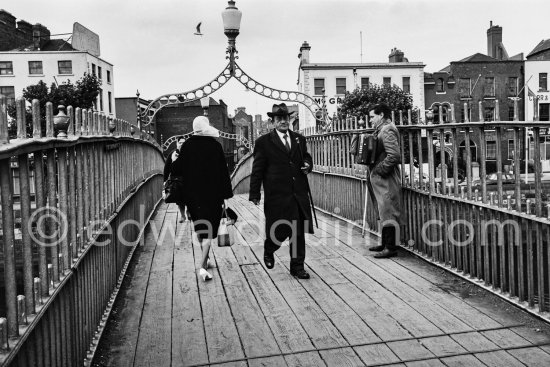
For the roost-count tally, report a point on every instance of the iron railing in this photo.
(66, 244)
(493, 229)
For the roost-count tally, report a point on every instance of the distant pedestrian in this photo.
(206, 183)
(281, 163)
(173, 156)
(384, 180)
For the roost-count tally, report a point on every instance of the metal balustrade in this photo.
(494, 231)
(66, 244)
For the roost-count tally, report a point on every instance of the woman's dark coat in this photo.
(285, 185)
(206, 180)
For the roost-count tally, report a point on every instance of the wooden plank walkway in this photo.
(354, 311)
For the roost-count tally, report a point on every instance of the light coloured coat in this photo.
(384, 176)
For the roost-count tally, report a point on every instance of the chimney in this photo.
(396, 55)
(26, 30)
(304, 53)
(494, 39)
(40, 35)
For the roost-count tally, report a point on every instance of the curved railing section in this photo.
(74, 204)
(240, 178)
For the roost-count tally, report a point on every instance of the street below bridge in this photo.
(354, 311)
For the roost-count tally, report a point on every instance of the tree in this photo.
(362, 100)
(82, 95)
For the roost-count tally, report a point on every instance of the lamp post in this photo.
(205, 104)
(231, 17)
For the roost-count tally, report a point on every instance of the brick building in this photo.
(178, 119)
(481, 88)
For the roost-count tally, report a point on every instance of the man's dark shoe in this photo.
(376, 248)
(300, 274)
(269, 260)
(386, 254)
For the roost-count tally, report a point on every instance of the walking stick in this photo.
(365, 211)
(307, 184)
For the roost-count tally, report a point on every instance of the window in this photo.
(9, 93)
(544, 112)
(543, 81)
(364, 83)
(489, 113)
(99, 73)
(511, 113)
(340, 85)
(110, 102)
(544, 142)
(6, 68)
(439, 85)
(108, 76)
(101, 100)
(464, 87)
(65, 67)
(93, 70)
(35, 67)
(511, 149)
(386, 81)
(319, 86)
(491, 152)
(406, 84)
(489, 87)
(512, 86)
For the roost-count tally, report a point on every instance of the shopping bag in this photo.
(173, 190)
(223, 233)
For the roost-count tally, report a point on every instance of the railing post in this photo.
(481, 117)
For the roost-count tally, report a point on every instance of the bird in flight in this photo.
(198, 32)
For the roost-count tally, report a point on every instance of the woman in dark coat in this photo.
(206, 183)
(168, 170)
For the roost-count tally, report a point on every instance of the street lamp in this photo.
(231, 17)
(205, 104)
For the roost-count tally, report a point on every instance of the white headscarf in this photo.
(201, 127)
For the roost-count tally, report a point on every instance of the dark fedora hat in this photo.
(279, 110)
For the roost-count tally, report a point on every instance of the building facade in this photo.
(28, 55)
(480, 88)
(334, 80)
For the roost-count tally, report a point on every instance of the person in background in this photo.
(206, 183)
(167, 170)
(384, 180)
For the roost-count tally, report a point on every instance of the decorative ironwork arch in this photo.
(244, 141)
(250, 83)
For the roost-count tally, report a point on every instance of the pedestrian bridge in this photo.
(97, 270)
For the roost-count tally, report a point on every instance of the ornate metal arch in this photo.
(223, 135)
(250, 83)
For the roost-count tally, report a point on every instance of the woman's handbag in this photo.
(173, 190)
(224, 239)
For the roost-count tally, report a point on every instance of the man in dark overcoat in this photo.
(281, 163)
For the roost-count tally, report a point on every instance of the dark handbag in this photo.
(173, 190)
(230, 214)
(367, 149)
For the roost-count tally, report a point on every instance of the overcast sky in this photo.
(153, 49)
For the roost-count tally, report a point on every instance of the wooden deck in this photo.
(354, 311)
